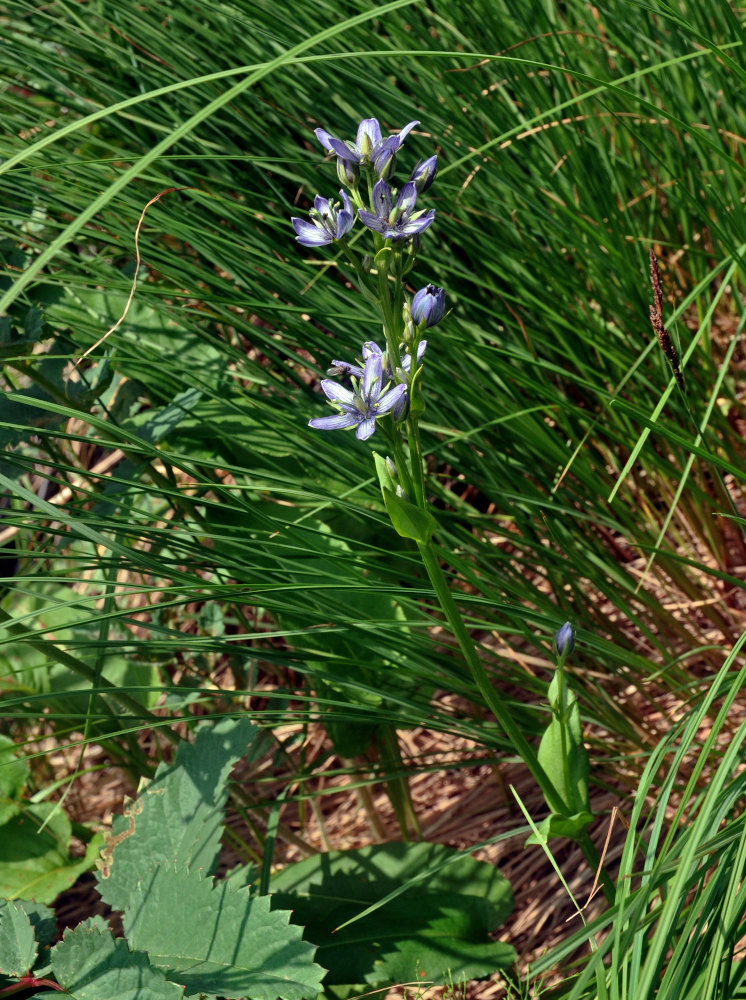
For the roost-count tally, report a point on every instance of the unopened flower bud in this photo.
(564, 640)
(424, 173)
(400, 492)
(385, 163)
(348, 173)
(428, 306)
(391, 466)
(400, 408)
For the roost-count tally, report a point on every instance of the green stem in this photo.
(497, 706)
(402, 465)
(561, 695)
(387, 312)
(418, 467)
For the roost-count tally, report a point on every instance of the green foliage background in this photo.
(570, 478)
(560, 138)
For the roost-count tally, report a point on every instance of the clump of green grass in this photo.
(205, 526)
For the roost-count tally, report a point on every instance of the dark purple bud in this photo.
(564, 640)
(424, 173)
(428, 306)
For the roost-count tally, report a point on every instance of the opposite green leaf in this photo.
(18, 947)
(91, 965)
(562, 753)
(555, 825)
(212, 939)
(409, 521)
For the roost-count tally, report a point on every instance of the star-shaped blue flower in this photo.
(360, 406)
(328, 222)
(400, 221)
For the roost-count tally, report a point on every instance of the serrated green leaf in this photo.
(211, 938)
(242, 876)
(18, 948)
(43, 920)
(35, 863)
(91, 965)
(439, 925)
(13, 777)
(408, 521)
(178, 817)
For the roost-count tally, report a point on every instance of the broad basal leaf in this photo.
(212, 939)
(91, 965)
(18, 948)
(438, 926)
(35, 863)
(178, 817)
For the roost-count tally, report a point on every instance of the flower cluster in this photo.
(384, 379)
(395, 218)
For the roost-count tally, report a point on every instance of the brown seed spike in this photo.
(655, 280)
(656, 319)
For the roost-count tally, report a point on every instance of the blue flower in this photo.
(370, 348)
(328, 222)
(399, 222)
(428, 306)
(360, 406)
(369, 145)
